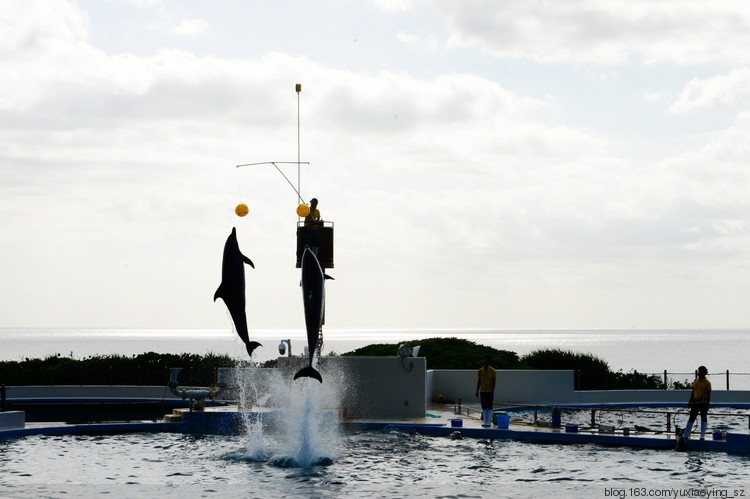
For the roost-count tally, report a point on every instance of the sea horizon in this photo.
(644, 350)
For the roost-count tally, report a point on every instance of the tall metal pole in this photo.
(298, 88)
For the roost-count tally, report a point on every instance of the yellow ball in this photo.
(303, 210)
(241, 210)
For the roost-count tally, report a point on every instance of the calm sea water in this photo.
(649, 351)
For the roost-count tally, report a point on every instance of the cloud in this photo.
(717, 92)
(144, 3)
(118, 174)
(606, 33)
(394, 5)
(414, 42)
(191, 27)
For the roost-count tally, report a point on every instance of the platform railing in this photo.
(596, 413)
(720, 379)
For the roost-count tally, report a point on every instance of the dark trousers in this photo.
(701, 409)
(486, 399)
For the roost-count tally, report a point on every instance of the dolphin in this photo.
(313, 298)
(232, 288)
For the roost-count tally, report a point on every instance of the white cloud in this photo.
(614, 32)
(715, 92)
(652, 97)
(118, 173)
(191, 27)
(144, 3)
(394, 5)
(418, 43)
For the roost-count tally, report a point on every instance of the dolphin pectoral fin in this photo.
(219, 292)
(326, 276)
(250, 346)
(247, 261)
(309, 372)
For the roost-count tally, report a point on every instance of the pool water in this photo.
(301, 451)
(351, 464)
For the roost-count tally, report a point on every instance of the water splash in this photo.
(252, 421)
(288, 423)
(310, 424)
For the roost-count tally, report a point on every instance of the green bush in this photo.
(152, 368)
(145, 369)
(445, 353)
(591, 372)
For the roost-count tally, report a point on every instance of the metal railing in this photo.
(721, 380)
(596, 413)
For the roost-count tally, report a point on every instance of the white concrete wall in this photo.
(88, 391)
(373, 387)
(513, 386)
(553, 387)
(392, 388)
(12, 420)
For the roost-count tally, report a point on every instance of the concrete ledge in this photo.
(88, 391)
(12, 420)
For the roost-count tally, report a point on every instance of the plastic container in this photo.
(571, 428)
(502, 420)
(718, 435)
(457, 423)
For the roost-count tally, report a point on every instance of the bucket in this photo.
(457, 423)
(571, 428)
(718, 435)
(502, 420)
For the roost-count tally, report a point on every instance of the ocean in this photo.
(679, 352)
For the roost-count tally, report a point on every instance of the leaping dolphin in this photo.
(232, 288)
(313, 298)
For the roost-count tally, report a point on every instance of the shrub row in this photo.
(152, 368)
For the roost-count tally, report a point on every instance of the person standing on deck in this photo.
(312, 224)
(700, 398)
(486, 377)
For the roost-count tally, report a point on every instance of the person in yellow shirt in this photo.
(312, 223)
(700, 398)
(486, 377)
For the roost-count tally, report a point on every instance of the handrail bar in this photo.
(459, 409)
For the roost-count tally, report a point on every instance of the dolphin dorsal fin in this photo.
(247, 260)
(326, 276)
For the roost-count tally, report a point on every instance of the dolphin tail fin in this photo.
(219, 292)
(250, 346)
(309, 372)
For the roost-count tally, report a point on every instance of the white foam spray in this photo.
(289, 423)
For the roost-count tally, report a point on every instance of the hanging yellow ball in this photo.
(303, 210)
(241, 210)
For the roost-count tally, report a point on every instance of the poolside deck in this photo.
(438, 423)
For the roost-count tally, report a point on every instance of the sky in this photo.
(486, 164)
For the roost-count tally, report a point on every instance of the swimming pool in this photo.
(261, 463)
(301, 451)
